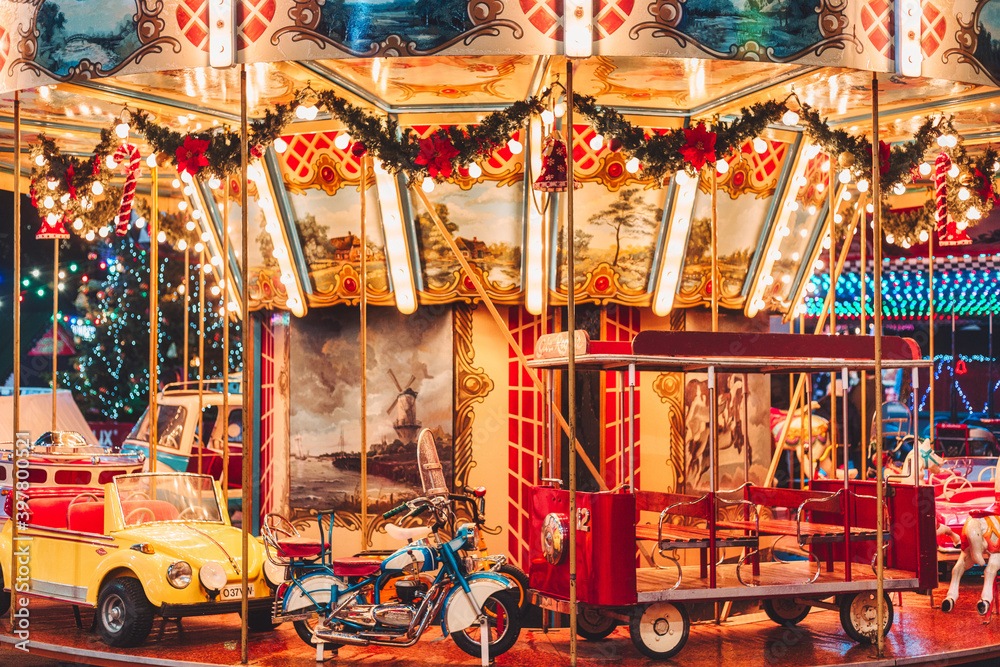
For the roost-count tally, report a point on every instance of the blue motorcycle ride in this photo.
(392, 602)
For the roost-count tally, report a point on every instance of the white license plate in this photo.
(235, 592)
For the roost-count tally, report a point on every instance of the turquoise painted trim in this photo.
(255, 318)
(216, 219)
(284, 208)
(780, 190)
(131, 95)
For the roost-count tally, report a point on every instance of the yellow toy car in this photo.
(156, 543)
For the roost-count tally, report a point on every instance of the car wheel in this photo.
(124, 614)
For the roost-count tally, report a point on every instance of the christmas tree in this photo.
(111, 373)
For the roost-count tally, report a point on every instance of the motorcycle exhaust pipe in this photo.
(321, 635)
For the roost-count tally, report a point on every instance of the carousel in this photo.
(588, 254)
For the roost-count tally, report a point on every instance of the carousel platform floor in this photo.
(920, 636)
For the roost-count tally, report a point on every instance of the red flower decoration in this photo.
(70, 175)
(191, 155)
(436, 152)
(700, 147)
(256, 151)
(985, 192)
(883, 157)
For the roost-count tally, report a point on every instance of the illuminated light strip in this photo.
(214, 243)
(578, 17)
(221, 32)
(272, 225)
(910, 58)
(397, 249)
(535, 228)
(771, 252)
(673, 253)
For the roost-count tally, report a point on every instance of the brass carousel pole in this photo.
(55, 326)
(571, 358)
(154, 318)
(224, 282)
(17, 451)
(879, 481)
(248, 383)
(364, 357)
(864, 332)
(187, 304)
(715, 249)
(832, 228)
(201, 356)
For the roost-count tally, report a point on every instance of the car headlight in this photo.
(179, 574)
(212, 576)
(275, 574)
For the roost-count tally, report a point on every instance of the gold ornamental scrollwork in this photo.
(967, 37)
(345, 288)
(670, 388)
(472, 385)
(267, 290)
(460, 287)
(602, 285)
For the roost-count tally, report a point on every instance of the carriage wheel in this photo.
(659, 630)
(592, 625)
(785, 611)
(858, 614)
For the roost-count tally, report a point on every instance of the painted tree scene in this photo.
(721, 24)
(486, 223)
(329, 230)
(70, 31)
(620, 229)
(357, 23)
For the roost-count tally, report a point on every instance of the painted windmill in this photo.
(405, 420)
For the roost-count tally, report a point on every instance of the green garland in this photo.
(904, 227)
(217, 152)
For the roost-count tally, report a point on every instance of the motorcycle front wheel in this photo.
(504, 626)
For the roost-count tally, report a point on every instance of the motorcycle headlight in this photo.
(179, 574)
(212, 576)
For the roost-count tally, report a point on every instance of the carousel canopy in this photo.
(642, 235)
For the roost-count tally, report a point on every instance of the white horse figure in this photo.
(980, 546)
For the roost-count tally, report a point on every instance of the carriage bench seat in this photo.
(806, 531)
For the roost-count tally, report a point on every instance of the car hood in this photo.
(197, 543)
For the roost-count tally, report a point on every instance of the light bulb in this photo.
(182, 244)
(973, 213)
(596, 142)
(40, 159)
(205, 236)
(121, 129)
(64, 198)
(161, 237)
(924, 169)
(923, 236)
(899, 188)
(52, 184)
(845, 176)
(790, 118)
(196, 214)
(889, 238)
(846, 195)
(286, 279)
(199, 246)
(89, 235)
(280, 145)
(427, 185)
(871, 209)
(681, 177)
(952, 141)
(515, 146)
(953, 172)
(48, 202)
(863, 185)
(206, 268)
(97, 188)
(548, 117)
(188, 190)
(215, 290)
(963, 194)
(176, 183)
(475, 171)
(722, 166)
(182, 205)
(140, 222)
(632, 166)
(103, 232)
(942, 140)
(186, 177)
(300, 112)
(759, 145)
(189, 226)
(78, 224)
(838, 218)
(560, 110)
(151, 160)
(342, 140)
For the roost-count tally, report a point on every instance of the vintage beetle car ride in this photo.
(148, 544)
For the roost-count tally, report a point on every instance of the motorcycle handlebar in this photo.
(395, 510)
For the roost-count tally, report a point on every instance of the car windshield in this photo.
(169, 426)
(151, 498)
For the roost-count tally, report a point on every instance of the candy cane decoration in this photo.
(941, 166)
(131, 153)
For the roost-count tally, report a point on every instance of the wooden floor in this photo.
(776, 579)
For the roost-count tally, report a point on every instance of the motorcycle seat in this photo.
(299, 547)
(407, 534)
(355, 567)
